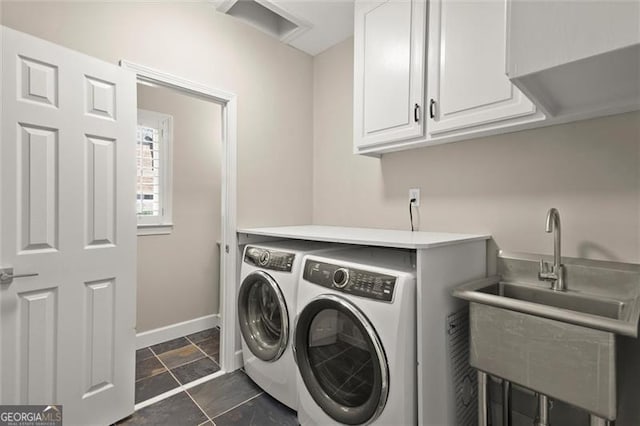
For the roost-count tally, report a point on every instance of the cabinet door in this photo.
(468, 86)
(389, 43)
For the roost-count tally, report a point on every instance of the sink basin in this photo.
(569, 300)
(559, 343)
(613, 313)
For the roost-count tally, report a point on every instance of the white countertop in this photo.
(365, 236)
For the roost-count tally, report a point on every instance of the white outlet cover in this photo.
(415, 193)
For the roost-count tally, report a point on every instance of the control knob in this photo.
(340, 277)
(263, 259)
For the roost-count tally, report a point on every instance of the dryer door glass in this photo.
(341, 360)
(263, 317)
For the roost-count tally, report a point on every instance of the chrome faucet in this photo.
(556, 274)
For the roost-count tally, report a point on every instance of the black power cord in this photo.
(411, 201)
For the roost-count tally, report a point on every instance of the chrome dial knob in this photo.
(340, 277)
(264, 257)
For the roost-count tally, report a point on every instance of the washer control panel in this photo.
(269, 259)
(357, 282)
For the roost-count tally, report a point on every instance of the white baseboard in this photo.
(173, 331)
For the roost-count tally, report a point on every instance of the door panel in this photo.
(387, 66)
(67, 194)
(37, 322)
(38, 81)
(389, 45)
(99, 336)
(467, 80)
(100, 198)
(38, 188)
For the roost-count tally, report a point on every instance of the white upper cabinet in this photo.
(468, 87)
(389, 71)
(491, 67)
(576, 59)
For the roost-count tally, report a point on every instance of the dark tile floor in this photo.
(167, 365)
(232, 399)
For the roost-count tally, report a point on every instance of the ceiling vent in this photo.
(266, 16)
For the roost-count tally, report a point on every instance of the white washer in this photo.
(266, 308)
(355, 338)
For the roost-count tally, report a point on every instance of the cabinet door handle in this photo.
(416, 113)
(432, 108)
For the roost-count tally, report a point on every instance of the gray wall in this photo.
(274, 87)
(501, 185)
(273, 81)
(178, 274)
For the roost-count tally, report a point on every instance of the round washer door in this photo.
(341, 360)
(263, 316)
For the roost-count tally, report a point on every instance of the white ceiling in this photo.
(330, 21)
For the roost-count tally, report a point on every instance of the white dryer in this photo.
(355, 338)
(266, 307)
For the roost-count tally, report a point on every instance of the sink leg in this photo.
(506, 403)
(598, 421)
(483, 408)
(542, 418)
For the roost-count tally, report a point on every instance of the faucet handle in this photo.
(546, 272)
(544, 267)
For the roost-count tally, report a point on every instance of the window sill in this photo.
(155, 229)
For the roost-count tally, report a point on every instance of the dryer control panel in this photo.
(357, 282)
(269, 259)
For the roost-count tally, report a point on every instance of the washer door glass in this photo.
(263, 316)
(341, 360)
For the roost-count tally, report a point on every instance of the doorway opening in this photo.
(186, 198)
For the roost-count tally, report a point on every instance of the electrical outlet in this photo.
(415, 193)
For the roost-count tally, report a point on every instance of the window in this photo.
(153, 181)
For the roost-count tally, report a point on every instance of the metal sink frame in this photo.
(556, 343)
(600, 295)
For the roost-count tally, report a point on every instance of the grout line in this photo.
(156, 374)
(177, 390)
(170, 372)
(185, 363)
(204, 379)
(181, 387)
(199, 407)
(236, 406)
(190, 362)
(201, 350)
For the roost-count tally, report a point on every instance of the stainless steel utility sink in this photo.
(616, 313)
(558, 343)
(570, 300)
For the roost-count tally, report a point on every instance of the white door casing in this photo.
(67, 194)
(467, 59)
(389, 71)
(230, 349)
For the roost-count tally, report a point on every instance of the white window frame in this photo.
(162, 224)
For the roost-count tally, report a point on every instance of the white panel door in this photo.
(468, 86)
(67, 193)
(389, 44)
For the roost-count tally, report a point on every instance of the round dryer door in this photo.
(341, 360)
(263, 317)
